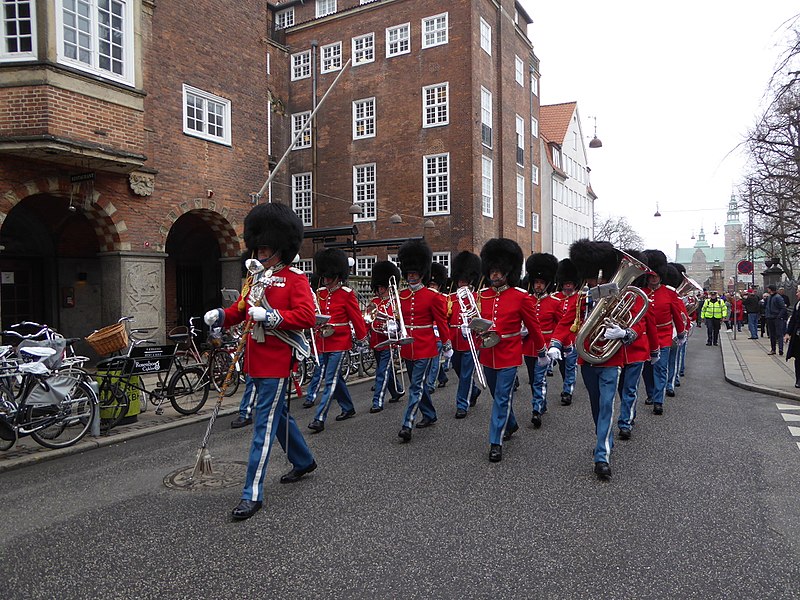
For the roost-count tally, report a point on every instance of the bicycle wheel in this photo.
(188, 389)
(220, 363)
(113, 403)
(368, 363)
(344, 367)
(75, 418)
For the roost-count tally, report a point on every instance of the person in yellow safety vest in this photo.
(714, 311)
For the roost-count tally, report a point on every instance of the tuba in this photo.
(613, 309)
(688, 291)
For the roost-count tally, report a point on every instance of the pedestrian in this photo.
(752, 309)
(728, 312)
(737, 311)
(762, 321)
(792, 338)
(438, 283)
(775, 315)
(783, 295)
(714, 312)
(280, 305)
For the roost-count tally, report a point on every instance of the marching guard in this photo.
(334, 338)
(677, 352)
(273, 234)
(567, 280)
(438, 283)
(507, 307)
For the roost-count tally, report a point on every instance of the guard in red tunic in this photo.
(384, 272)
(334, 339)
(567, 281)
(438, 283)
(508, 308)
(422, 308)
(673, 279)
(279, 301)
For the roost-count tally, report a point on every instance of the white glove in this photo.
(211, 317)
(257, 313)
(391, 326)
(447, 350)
(554, 353)
(655, 357)
(681, 339)
(543, 361)
(614, 332)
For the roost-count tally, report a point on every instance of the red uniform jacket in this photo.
(421, 310)
(459, 342)
(376, 337)
(567, 303)
(548, 313)
(508, 310)
(647, 337)
(342, 305)
(667, 310)
(290, 295)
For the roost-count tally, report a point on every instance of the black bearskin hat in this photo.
(672, 276)
(331, 262)
(274, 225)
(467, 267)
(640, 281)
(506, 256)
(438, 275)
(415, 255)
(591, 257)
(541, 265)
(382, 271)
(657, 261)
(567, 272)
(680, 267)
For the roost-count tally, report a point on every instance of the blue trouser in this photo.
(537, 375)
(752, 324)
(384, 377)
(569, 370)
(655, 377)
(501, 385)
(672, 366)
(436, 367)
(464, 366)
(271, 417)
(313, 385)
(601, 385)
(628, 391)
(418, 396)
(335, 387)
(248, 398)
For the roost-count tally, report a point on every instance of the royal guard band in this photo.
(334, 338)
(273, 234)
(421, 308)
(540, 269)
(507, 307)
(312, 391)
(666, 308)
(466, 274)
(677, 352)
(438, 283)
(567, 281)
(382, 273)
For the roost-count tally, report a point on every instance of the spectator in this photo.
(752, 307)
(728, 312)
(737, 311)
(775, 316)
(782, 293)
(762, 322)
(792, 338)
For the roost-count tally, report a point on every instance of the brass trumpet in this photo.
(466, 302)
(688, 291)
(469, 312)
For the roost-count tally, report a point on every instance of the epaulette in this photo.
(347, 289)
(296, 270)
(523, 290)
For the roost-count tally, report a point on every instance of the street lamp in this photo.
(595, 143)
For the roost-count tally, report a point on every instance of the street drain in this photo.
(225, 474)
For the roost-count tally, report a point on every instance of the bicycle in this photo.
(216, 354)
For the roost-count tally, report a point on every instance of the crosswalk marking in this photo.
(790, 417)
(795, 431)
(788, 406)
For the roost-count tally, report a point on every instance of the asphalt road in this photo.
(702, 504)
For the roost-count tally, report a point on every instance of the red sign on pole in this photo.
(744, 267)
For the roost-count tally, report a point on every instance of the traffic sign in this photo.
(744, 267)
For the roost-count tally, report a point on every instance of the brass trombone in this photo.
(481, 326)
(469, 311)
(396, 333)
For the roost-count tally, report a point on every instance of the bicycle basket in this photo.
(109, 339)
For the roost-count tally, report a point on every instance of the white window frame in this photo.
(298, 120)
(363, 120)
(535, 222)
(556, 157)
(534, 85)
(27, 23)
(534, 174)
(436, 184)
(364, 265)
(487, 187)
(486, 36)
(435, 30)
(443, 258)
(402, 33)
(333, 60)
(520, 129)
(520, 200)
(303, 197)
(301, 65)
(392, 258)
(365, 54)
(325, 7)
(222, 109)
(486, 115)
(534, 128)
(365, 192)
(284, 18)
(439, 110)
(93, 25)
(306, 265)
(519, 70)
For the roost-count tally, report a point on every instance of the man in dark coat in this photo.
(775, 316)
(792, 338)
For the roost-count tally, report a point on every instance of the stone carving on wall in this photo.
(143, 293)
(142, 184)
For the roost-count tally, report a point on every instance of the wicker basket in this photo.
(109, 339)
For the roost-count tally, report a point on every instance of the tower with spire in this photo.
(735, 247)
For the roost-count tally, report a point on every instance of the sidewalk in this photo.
(748, 366)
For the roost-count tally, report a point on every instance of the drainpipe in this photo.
(314, 183)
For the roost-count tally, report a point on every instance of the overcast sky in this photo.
(674, 86)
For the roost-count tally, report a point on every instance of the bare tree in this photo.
(618, 231)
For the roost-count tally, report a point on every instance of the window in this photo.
(434, 31)
(330, 57)
(519, 70)
(520, 141)
(434, 105)
(486, 117)
(398, 40)
(364, 191)
(534, 127)
(364, 49)
(443, 258)
(364, 265)
(393, 258)
(284, 18)
(364, 118)
(206, 116)
(306, 265)
(298, 120)
(534, 85)
(486, 37)
(436, 169)
(19, 30)
(325, 7)
(534, 174)
(96, 36)
(556, 157)
(301, 197)
(535, 222)
(520, 200)
(301, 65)
(487, 187)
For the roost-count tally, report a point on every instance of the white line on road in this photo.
(790, 417)
(795, 431)
(788, 406)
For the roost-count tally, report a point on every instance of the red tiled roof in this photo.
(554, 120)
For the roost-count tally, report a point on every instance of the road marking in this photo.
(788, 406)
(790, 417)
(795, 431)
